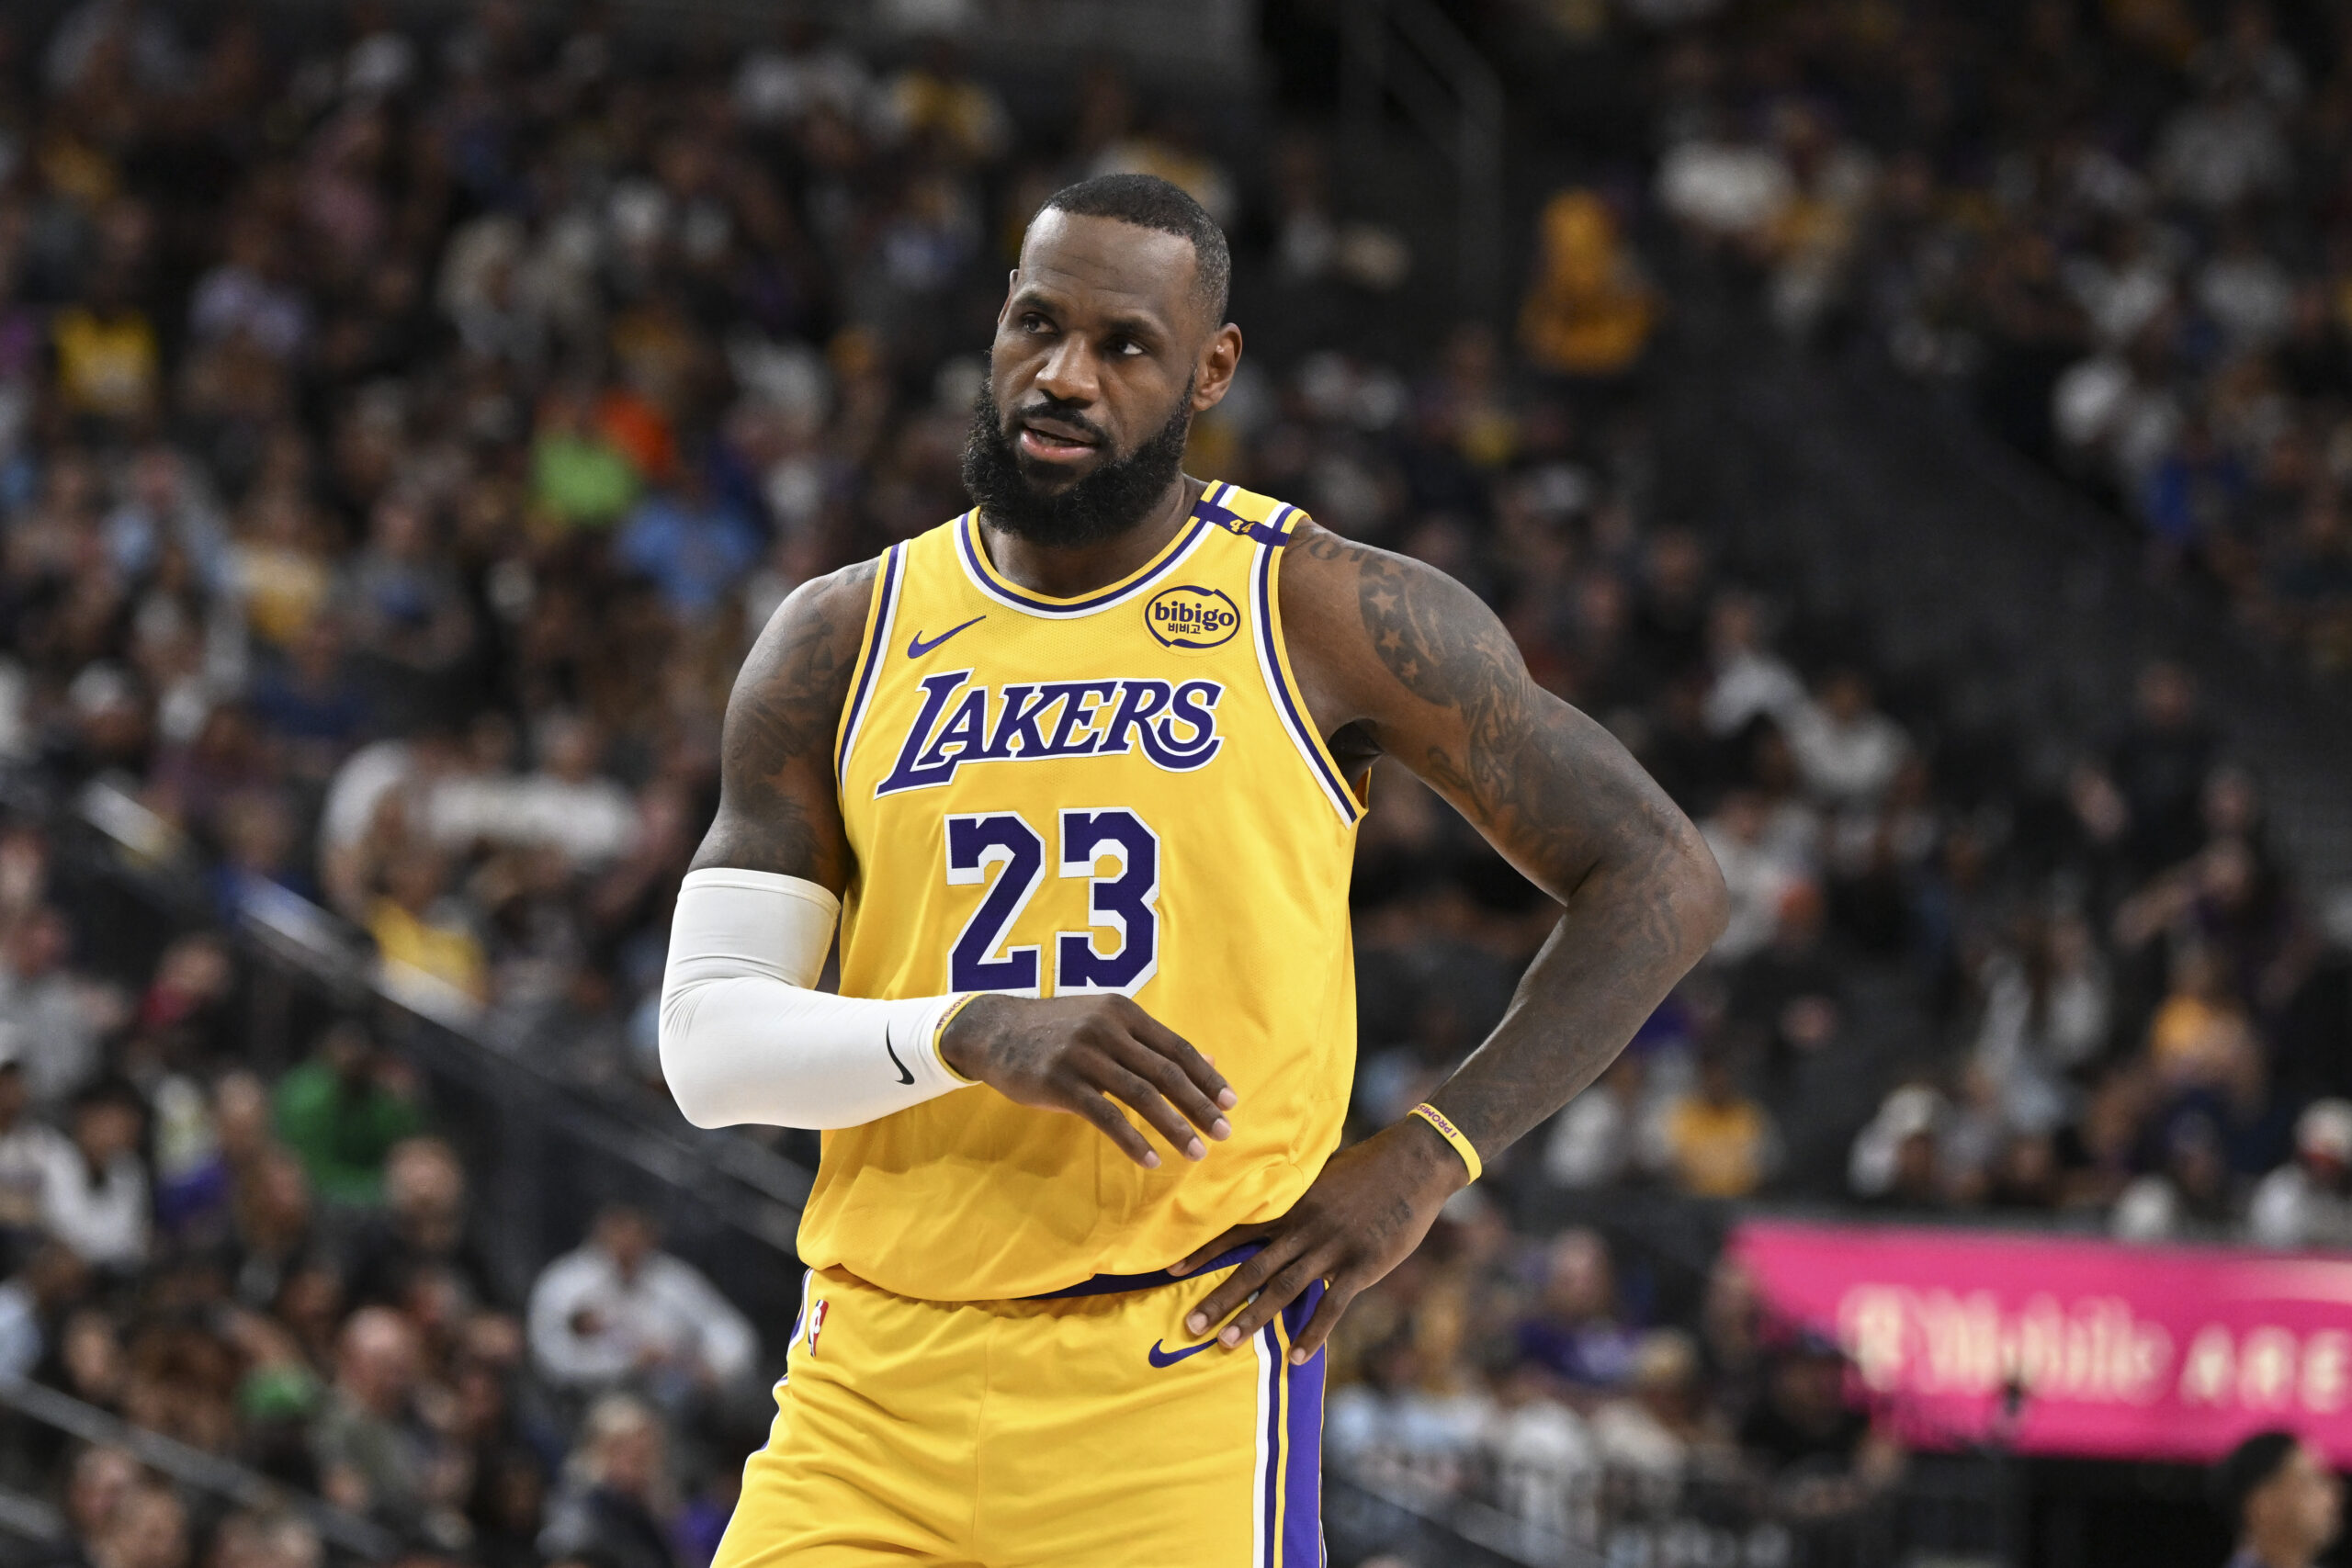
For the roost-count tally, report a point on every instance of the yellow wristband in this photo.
(939, 1032)
(1451, 1134)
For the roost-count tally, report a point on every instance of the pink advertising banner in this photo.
(2128, 1351)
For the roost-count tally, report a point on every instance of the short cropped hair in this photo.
(1149, 202)
(2247, 1469)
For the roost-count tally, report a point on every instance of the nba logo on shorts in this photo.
(816, 1323)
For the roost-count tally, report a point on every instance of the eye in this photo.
(1123, 346)
(1032, 321)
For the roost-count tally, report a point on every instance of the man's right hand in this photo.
(1078, 1053)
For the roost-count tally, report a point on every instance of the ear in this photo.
(1213, 377)
(1012, 283)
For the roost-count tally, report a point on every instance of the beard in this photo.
(1113, 498)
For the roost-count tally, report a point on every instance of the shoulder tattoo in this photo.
(776, 750)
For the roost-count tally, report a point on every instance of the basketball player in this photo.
(1079, 774)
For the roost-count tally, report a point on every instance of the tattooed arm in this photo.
(1444, 693)
(777, 807)
(1398, 658)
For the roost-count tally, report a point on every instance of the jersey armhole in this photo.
(873, 649)
(1274, 662)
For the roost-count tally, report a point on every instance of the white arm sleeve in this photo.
(744, 1038)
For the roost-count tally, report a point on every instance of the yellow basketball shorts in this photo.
(1083, 1429)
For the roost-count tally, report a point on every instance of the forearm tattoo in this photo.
(1559, 797)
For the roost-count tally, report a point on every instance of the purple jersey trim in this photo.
(1301, 731)
(874, 654)
(966, 540)
(1112, 1284)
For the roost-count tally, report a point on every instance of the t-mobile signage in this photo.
(2149, 1352)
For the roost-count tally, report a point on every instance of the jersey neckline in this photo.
(985, 577)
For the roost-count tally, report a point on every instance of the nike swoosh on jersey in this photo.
(1160, 1357)
(918, 648)
(904, 1075)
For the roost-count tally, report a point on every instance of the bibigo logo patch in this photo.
(1192, 618)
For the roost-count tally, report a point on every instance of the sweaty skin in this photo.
(1101, 334)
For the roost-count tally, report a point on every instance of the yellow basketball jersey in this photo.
(1120, 792)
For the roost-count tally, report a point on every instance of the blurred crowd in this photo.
(2124, 228)
(291, 1276)
(402, 435)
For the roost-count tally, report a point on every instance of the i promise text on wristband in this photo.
(1451, 1134)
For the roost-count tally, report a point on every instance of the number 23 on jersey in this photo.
(1111, 848)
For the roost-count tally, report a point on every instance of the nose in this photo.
(1067, 375)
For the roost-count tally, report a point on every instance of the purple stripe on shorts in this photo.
(1303, 1472)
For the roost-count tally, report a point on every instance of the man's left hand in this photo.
(1361, 1217)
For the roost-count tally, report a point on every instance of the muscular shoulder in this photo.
(1368, 628)
(776, 810)
(837, 600)
(810, 645)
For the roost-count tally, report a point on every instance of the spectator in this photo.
(1543, 1452)
(1416, 1419)
(1664, 1426)
(1597, 1137)
(420, 1229)
(427, 941)
(780, 84)
(2048, 1007)
(375, 1453)
(2024, 1176)
(621, 1312)
(94, 1196)
(1749, 681)
(936, 101)
(402, 602)
(2282, 1504)
(32, 1306)
(1896, 1159)
(1826, 1459)
(1790, 991)
(614, 1504)
(58, 1016)
(266, 1541)
(1846, 752)
(2189, 1192)
(1715, 1141)
(28, 1151)
(2307, 1203)
(2160, 764)
(273, 1227)
(1758, 875)
(566, 804)
(2200, 1035)
(1586, 312)
(579, 478)
(342, 1110)
(1574, 1333)
(100, 1477)
(147, 1529)
(2219, 150)
(311, 704)
(690, 543)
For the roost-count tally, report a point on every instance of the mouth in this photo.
(1052, 441)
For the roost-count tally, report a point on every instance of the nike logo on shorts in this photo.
(1160, 1357)
(904, 1075)
(918, 648)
